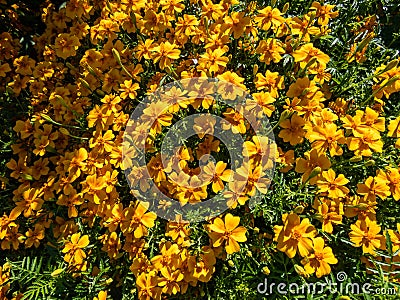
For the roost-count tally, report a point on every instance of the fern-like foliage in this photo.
(34, 278)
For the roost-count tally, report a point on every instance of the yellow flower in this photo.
(395, 238)
(270, 50)
(213, 60)
(365, 233)
(394, 130)
(236, 22)
(33, 237)
(165, 53)
(227, 232)
(292, 131)
(148, 286)
(215, 174)
(312, 160)
(73, 249)
(269, 17)
(326, 138)
(294, 235)
(374, 186)
(271, 82)
(308, 52)
(332, 185)
(66, 45)
(320, 259)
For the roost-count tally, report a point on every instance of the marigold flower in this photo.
(165, 53)
(307, 52)
(326, 138)
(148, 286)
(33, 237)
(374, 186)
(320, 259)
(332, 185)
(226, 232)
(269, 17)
(213, 60)
(292, 131)
(66, 45)
(365, 233)
(216, 173)
(312, 160)
(270, 50)
(294, 235)
(73, 249)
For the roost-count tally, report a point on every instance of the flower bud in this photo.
(266, 270)
(392, 64)
(85, 84)
(319, 217)
(362, 206)
(316, 171)
(27, 177)
(285, 115)
(64, 131)
(285, 8)
(356, 158)
(100, 93)
(231, 263)
(370, 163)
(56, 272)
(255, 69)
(298, 209)
(310, 63)
(300, 270)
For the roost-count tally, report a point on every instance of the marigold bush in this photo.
(327, 77)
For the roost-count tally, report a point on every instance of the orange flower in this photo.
(102, 142)
(215, 174)
(293, 131)
(227, 233)
(332, 185)
(213, 60)
(33, 237)
(253, 177)
(294, 235)
(328, 216)
(320, 259)
(66, 45)
(312, 160)
(269, 17)
(326, 138)
(30, 203)
(365, 233)
(157, 112)
(272, 82)
(73, 249)
(148, 286)
(236, 22)
(308, 52)
(270, 50)
(395, 238)
(374, 186)
(235, 121)
(165, 53)
(140, 220)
